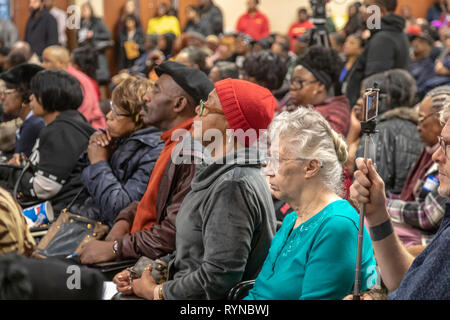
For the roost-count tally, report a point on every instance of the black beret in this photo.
(195, 82)
(21, 74)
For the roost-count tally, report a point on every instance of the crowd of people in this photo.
(268, 127)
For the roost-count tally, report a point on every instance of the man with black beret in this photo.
(147, 228)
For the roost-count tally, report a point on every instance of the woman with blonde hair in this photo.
(122, 156)
(313, 256)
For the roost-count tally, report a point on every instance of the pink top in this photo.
(90, 108)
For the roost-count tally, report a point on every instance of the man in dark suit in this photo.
(42, 29)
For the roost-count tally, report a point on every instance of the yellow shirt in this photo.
(165, 24)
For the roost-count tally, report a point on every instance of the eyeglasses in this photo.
(8, 91)
(298, 84)
(444, 144)
(422, 119)
(116, 114)
(203, 106)
(276, 162)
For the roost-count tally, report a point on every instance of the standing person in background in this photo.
(131, 43)
(211, 15)
(41, 29)
(254, 22)
(195, 23)
(163, 23)
(353, 48)
(94, 31)
(57, 57)
(355, 20)
(60, 17)
(300, 27)
(387, 48)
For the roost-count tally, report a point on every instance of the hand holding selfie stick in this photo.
(368, 127)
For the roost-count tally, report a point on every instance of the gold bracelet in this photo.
(158, 293)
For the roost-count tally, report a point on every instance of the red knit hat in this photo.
(246, 105)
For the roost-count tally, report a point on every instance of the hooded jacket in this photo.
(224, 229)
(398, 146)
(388, 48)
(57, 161)
(116, 184)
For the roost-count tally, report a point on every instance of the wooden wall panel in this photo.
(418, 7)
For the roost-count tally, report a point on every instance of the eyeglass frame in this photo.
(422, 120)
(269, 159)
(116, 114)
(8, 91)
(443, 144)
(204, 106)
(301, 83)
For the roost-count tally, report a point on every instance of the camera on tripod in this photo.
(319, 34)
(319, 9)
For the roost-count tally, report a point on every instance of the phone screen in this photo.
(371, 106)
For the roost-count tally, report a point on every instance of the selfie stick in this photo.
(368, 128)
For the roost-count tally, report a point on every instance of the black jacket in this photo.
(388, 48)
(41, 32)
(58, 160)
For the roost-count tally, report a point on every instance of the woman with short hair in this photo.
(57, 160)
(122, 156)
(313, 256)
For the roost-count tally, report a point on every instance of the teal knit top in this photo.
(317, 259)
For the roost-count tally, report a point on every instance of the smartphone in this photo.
(370, 111)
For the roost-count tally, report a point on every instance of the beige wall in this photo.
(281, 13)
(96, 4)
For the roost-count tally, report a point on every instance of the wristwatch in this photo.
(116, 247)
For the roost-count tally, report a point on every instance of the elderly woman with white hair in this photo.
(313, 256)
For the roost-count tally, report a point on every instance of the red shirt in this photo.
(298, 29)
(90, 108)
(146, 215)
(254, 24)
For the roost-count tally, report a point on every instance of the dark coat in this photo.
(58, 156)
(102, 36)
(139, 38)
(115, 185)
(398, 146)
(41, 32)
(388, 48)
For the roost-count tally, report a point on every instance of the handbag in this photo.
(159, 270)
(68, 235)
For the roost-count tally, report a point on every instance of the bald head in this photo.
(56, 57)
(22, 47)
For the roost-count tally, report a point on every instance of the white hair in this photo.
(445, 112)
(312, 137)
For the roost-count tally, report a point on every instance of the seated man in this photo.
(147, 228)
(418, 212)
(422, 278)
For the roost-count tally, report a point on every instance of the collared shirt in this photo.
(428, 277)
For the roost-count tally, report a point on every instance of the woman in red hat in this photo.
(226, 223)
